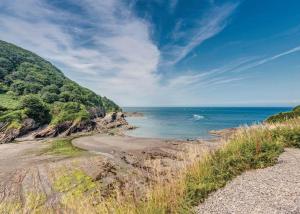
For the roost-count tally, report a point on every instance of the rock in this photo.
(110, 121)
(99, 123)
(96, 112)
(65, 129)
(28, 125)
(3, 126)
(9, 134)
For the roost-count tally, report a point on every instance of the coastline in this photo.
(128, 165)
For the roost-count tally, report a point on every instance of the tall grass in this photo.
(249, 148)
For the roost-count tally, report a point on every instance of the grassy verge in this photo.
(250, 148)
(63, 147)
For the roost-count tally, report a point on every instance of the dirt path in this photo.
(271, 190)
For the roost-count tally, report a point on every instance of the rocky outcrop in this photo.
(9, 134)
(110, 121)
(65, 129)
(96, 112)
(99, 123)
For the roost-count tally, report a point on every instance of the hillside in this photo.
(34, 93)
(283, 116)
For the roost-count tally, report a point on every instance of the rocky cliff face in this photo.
(31, 129)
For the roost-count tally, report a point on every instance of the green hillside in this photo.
(31, 87)
(283, 116)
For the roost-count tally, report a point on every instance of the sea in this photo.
(194, 122)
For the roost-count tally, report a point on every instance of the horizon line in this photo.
(208, 106)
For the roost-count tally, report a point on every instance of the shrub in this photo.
(13, 118)
(283, 116)
(50, 89)
(3, 88)
(70, 111)
(50, 97)
(18, 87)
(296, 109)
(9, 101)
(35, 108)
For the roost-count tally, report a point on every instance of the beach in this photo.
(115, 161)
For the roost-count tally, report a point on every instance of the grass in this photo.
(9, 102)
(69, 111)
(249, 148)
(284, 116)
(63, 147)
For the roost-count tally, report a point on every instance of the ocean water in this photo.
(193, 122)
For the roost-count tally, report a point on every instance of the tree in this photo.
(35, 108)
(50, 97)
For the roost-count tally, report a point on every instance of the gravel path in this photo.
(271, 190)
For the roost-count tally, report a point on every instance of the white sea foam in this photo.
(198, 117)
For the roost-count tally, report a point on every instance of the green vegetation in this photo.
(31, 87)
(75, 183)
(70, 111)
(8, 102)
(249, 148)
(63, 147)
(283, 116)
(35, 108)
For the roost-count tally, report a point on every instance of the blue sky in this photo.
(167, 52)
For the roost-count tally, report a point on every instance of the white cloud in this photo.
(266, 60)
(210, 25)
(108, 48)
(121, 58)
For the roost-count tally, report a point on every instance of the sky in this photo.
(167, 52)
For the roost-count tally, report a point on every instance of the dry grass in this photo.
(249, 148)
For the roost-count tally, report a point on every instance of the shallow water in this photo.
(194, 122)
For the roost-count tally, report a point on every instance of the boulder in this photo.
(110, 121)
(96, 112)
(9, 134)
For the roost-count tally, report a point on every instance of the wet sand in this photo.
(111, 144)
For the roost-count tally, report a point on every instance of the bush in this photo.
(50, 97)
(284, 116)
(296, 109)
(290, 137)
(50, 89)
(3, 88)
(14, 118)
(70, 111)
(18, 87)
(35, 108)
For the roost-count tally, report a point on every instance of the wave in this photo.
(198, 117)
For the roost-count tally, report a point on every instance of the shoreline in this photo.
(212, 135)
